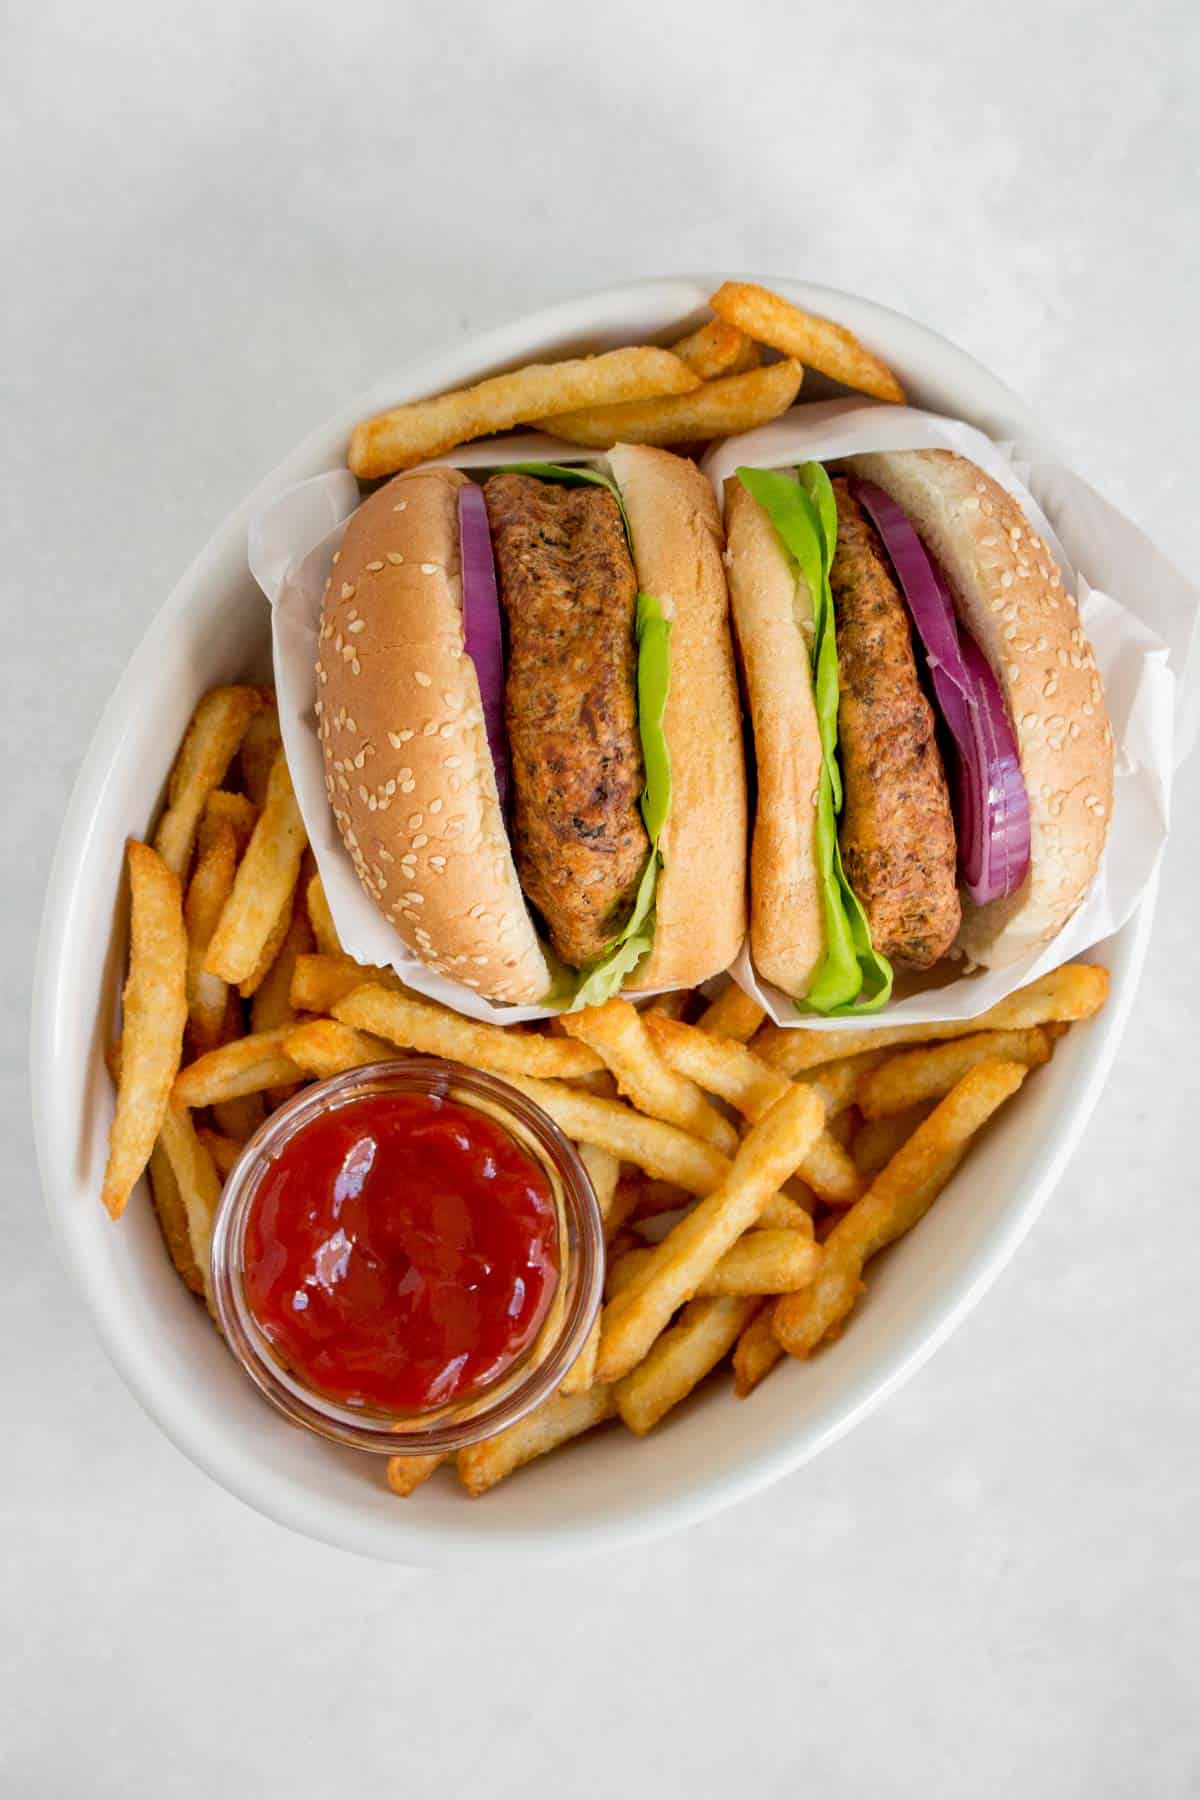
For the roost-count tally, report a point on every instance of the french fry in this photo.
(172, 1217)
(217, 728)
(877, 1140)
(154, 1014)
(617, 1032)
(716, 348)
(239, 1118)
(820, 343)
(720, 1065)
(319, 981)
(680, 1359)
(604, 1172)
(235, 810)
(838, 1082)
(733, 1014)
(770, 1152)
(761, 1262)
(270, 951)
(321, 919)
(223, 1150)
(1074, 991)
(717, 409)
(207, 891)
(898, 1197)
(263, 884)
(906, 1080)
(323, 1047)
(731, 1070)
(427, 428)
(663, 1151)
(272, 1003)
(554, 1422)
(671, 1006)
(657, 1197)
(244, 1066)
(756, 1352)
(405, 1474)
(199, 1187)
(844, 1126)
(260, 746)
(436, 1032)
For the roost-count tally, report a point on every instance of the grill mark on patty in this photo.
(568, 590)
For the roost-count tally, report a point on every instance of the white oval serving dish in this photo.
(612, 1489)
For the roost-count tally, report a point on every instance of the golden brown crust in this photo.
(407, 765)
(1011, 596)
(787, 926)
(677, 547)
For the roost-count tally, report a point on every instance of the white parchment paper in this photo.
(1142, 618)
(1143, 627)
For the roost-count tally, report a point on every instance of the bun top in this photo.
(1010, 595)
(408, 769)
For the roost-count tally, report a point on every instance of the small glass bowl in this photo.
(534, 1375)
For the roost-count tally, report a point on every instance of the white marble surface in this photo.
(221, 221)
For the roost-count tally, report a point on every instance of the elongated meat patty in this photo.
(568, 589)
(897, 831)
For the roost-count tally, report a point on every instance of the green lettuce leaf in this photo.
(852, 977)
(572, 988)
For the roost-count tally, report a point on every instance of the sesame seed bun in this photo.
(408, 770)
(1010, 595)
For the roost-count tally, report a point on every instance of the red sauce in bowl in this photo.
(401, 1252)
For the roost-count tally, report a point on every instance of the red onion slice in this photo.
(991, 804)
(481, 625)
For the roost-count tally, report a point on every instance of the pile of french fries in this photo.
(746, 1174)
(709, 384)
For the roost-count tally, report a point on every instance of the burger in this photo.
(529, 717)
(933, 757)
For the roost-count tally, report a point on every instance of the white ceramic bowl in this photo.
(612, 1489)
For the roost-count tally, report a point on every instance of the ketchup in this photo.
(401, 1252)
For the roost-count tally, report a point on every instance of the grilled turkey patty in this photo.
(568, 589)
(897, 831)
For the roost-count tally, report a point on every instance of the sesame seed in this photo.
(429, 730)
(429, 568)
(452, 762)
(400, 506)
(337, 557)
(447, 731)
(421, 678)
(362, 792)
(479, 961)
(416, 822)
(395, 557)
(435, 806)
(375, 567)
(437, 862)
(414, 899)
(355, 667)
(406, 787)
(358, 625)
(347, 590)
(349, 722)
(420, 841)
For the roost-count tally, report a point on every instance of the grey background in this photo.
(221, 222)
